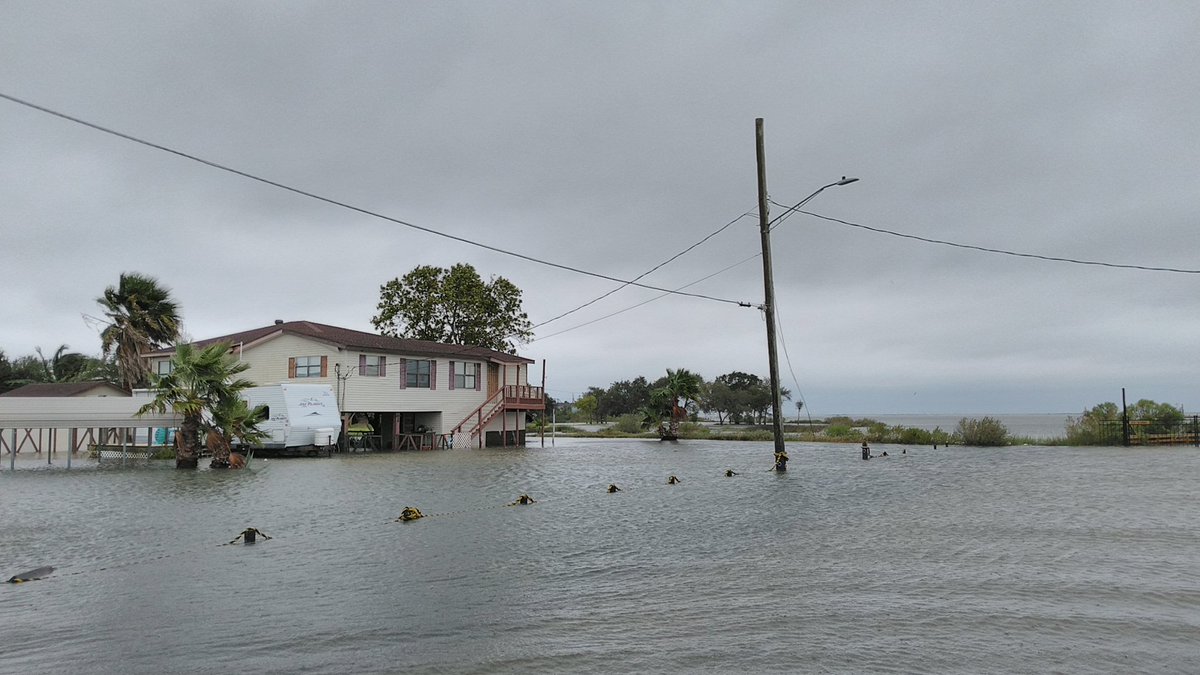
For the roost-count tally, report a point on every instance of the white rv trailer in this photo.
(301, 419)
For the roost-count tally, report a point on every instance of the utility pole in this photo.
(764, 225)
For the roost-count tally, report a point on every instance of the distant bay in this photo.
(1030, 425)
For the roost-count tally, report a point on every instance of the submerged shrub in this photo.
(629, 424)
(842, 432)
(911, 436)
(982, 432)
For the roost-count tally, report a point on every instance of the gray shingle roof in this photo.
(42, 389)
(353, 339)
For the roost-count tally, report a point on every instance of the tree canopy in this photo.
(61, 366)
(669, 401)
(453, 306)
(741, 398)
(141, 317)
(1102, 423)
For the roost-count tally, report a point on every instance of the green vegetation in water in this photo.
(976, 432)
(1145, 422)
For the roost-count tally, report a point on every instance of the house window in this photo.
(372, 366)
(308, 366)
(465, 379)
(165, 367)
(417, 373)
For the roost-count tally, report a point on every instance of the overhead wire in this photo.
(646, 302)
(351, 207)
(646, 273)
(788, 359)
(985, 249)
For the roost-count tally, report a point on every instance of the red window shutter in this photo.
(292, 368)
(432, 374)
(382, 366)
(451, 385)
(404, 373)
(324, 366)
(478, 379)
(362, 364)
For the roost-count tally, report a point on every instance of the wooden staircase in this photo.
(511, 397)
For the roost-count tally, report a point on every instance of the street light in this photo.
(768, 277)
(796, 207)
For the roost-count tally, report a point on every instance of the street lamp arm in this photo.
(792, 209)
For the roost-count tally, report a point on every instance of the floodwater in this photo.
(957, 560)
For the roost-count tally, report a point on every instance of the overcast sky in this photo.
(611, 136)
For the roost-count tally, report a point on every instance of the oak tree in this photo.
(453, 306)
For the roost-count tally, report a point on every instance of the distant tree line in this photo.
(733, 398)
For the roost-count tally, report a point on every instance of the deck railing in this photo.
(508, 397)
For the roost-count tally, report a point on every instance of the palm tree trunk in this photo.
(219, 447)
(187, 444)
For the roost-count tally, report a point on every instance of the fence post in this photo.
(1124, 420)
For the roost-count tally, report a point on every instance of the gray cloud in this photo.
(610, 137)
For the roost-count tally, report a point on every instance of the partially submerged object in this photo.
(249, 535)
(410, 513)
(781, 460)
(31, 575)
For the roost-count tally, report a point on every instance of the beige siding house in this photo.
(394, 393)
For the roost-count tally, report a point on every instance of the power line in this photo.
(646, 302)
(1074, 261)
(787, 357)
(351, 207)
(639, 278)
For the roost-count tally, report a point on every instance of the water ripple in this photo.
(955, 560)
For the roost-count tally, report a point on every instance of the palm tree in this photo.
(677, 390)
(233, 419)
(202, 382)
(66, 366)
(141, 317)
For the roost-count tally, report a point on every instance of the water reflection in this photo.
(939, 561)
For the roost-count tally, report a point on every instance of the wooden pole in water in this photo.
(543, 403)
(1124, 420)
(764, 226)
